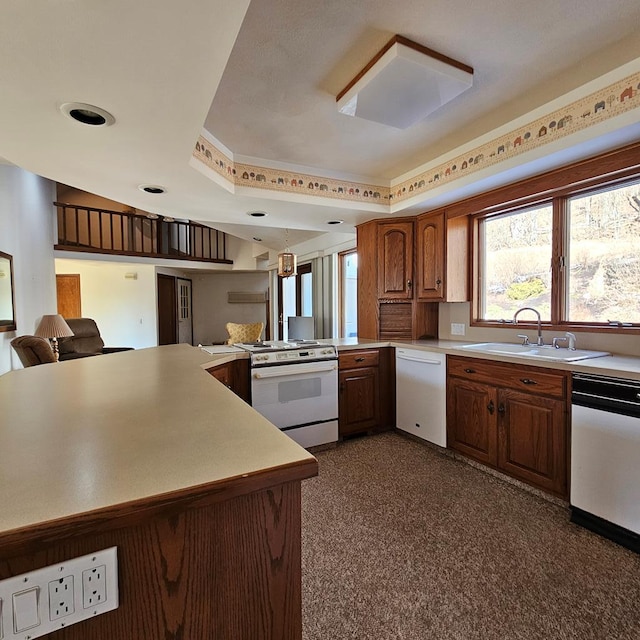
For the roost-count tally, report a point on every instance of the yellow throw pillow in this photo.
(250, 332)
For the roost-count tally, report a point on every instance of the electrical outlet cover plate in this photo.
(457, 329)
(67, 593)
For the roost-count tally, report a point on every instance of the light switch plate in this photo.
(63, 596)
(457, 329)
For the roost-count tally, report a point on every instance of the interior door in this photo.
(68, 293)
(185, 320)
(167, 310)
(295, 297)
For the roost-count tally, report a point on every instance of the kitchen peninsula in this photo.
(144, 450)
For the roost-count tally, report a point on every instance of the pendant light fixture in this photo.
(287, 261)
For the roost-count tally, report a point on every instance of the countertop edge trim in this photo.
(33, 537)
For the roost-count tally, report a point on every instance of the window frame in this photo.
(342, 256)
(595, 175)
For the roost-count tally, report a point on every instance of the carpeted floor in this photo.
(400, 542)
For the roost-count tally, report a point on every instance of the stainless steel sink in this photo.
(546, 352)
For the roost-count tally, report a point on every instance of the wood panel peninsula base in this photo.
(215, 556)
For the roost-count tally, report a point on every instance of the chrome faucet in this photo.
(515, 321)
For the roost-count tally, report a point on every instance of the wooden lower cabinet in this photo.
(510, 417)
(366, 398)
(358, 403)
(470, 427)
(532, 439)
(235, 376)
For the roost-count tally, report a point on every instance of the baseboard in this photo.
(606, 529)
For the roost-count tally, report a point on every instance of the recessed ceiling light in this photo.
(257, 214)
(152, 216)
(87, 114)
(335, 221)
(151, 188)
(257, 239)
(168, 219)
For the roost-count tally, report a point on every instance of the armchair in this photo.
(33, 350)
(86, 341)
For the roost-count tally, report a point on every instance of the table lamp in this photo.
(53, 327)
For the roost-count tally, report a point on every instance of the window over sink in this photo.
(572, 255)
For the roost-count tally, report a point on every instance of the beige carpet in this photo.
(401, 542)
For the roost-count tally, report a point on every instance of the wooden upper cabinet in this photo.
(395, 260)
(430, 251)
(442, 249)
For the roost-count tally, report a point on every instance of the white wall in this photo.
(211, 311)
(26, 232)
(124, 309)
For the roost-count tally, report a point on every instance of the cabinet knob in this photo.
(527, 381)
(438, 283)
(408, 284)
(501, 409)
(469, 370)
(490, 407)
(360, 359)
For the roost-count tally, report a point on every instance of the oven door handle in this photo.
(281, 371)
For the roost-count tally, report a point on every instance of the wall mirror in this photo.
(7, 294)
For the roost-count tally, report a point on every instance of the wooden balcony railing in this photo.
(114, 232)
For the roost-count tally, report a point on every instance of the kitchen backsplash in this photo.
(459, 313)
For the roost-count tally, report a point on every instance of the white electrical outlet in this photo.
(94, 586)
(457, 329)
(61, 598)
(37, 603)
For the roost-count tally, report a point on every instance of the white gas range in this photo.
(295, 386)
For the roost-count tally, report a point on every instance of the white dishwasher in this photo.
(421, 394)
(605, 457)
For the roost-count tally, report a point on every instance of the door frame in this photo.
(190, 281)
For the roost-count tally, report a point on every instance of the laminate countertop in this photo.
(85, 436)
(615, 365)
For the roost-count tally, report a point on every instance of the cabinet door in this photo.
(241, 382)
(395, 260)
(222, 373)
(532, 439)
(358, 406)
(430, 250)
(235, 376)
(471, 419)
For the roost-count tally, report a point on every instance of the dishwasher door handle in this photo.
(411, 359)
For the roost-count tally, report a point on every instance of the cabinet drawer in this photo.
(355, 359)
(513, 376)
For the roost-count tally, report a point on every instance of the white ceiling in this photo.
(264, 84)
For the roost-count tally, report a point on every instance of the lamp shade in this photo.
(53, 326)
(287, 264)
